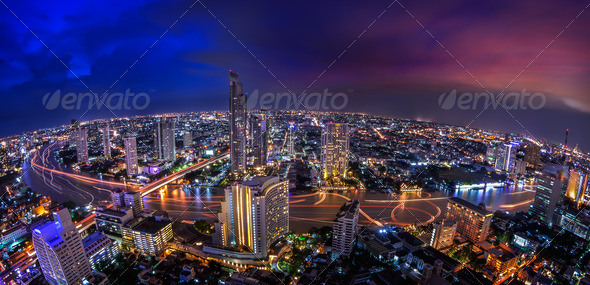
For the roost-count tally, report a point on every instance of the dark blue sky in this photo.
(394, 68)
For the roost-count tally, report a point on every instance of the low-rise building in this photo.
(100, 248)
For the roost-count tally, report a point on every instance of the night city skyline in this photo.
(395, 68)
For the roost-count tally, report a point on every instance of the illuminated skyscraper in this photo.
(532, 154)
(164, 140)
(106, 140)
(345, 227)
(258, 140)
(187, 139)
(443, 234)
(506, 157)
(335, 150)
(237, 125)
(254, 214)
(82, 144)
(577, 186)
(550, 188)
(472, 221)
(60, 250)
(131, 155)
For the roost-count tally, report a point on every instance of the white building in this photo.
(60, 250)
(254, 214)
(345, 227)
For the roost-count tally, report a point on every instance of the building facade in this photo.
(506, 157)
(550, 189)
(60, 250)
(82, 144)
(131, 155)
(335, 150)
(472, 221)
(345, 226)
(150, 236)
(443, 234)
(237, 125)
(164, 140)
(100, 249)
(106, 140)
(254, 214)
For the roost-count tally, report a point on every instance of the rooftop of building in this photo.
(92, 238)
(151, 226)
(349, 209)
(470, 206)
(111, 212)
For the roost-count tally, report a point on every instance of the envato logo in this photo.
(290, 101)
(86, 101)
(508, 101)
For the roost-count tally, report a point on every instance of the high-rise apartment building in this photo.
(82, 144)
(164, 140)
(506, 157)
(187, 139)
(550, 189)
(131, 155)
(237, 125)
(258, 140)
(335, 150)
(254, 214)
(443, 234)
(472, 221)
(345, 227)
(532, 154)
(60, 250)
(106, 140)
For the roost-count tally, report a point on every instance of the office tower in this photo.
(134, 201)
(100, 248)
(106, 140)
(164, 140)
(335, 150)
(259, 140)
(60, 250)
(506, 157)
(550, 188)
(532, 154)
(472, 221)
(577, 186)
(118, 199)
(443, 234)
(254, 214)
(237, 125)
(82, 144)
(345, 226)
(151, 234)
(187, 139)
(131, 155)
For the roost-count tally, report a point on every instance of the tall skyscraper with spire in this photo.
(237, 125)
